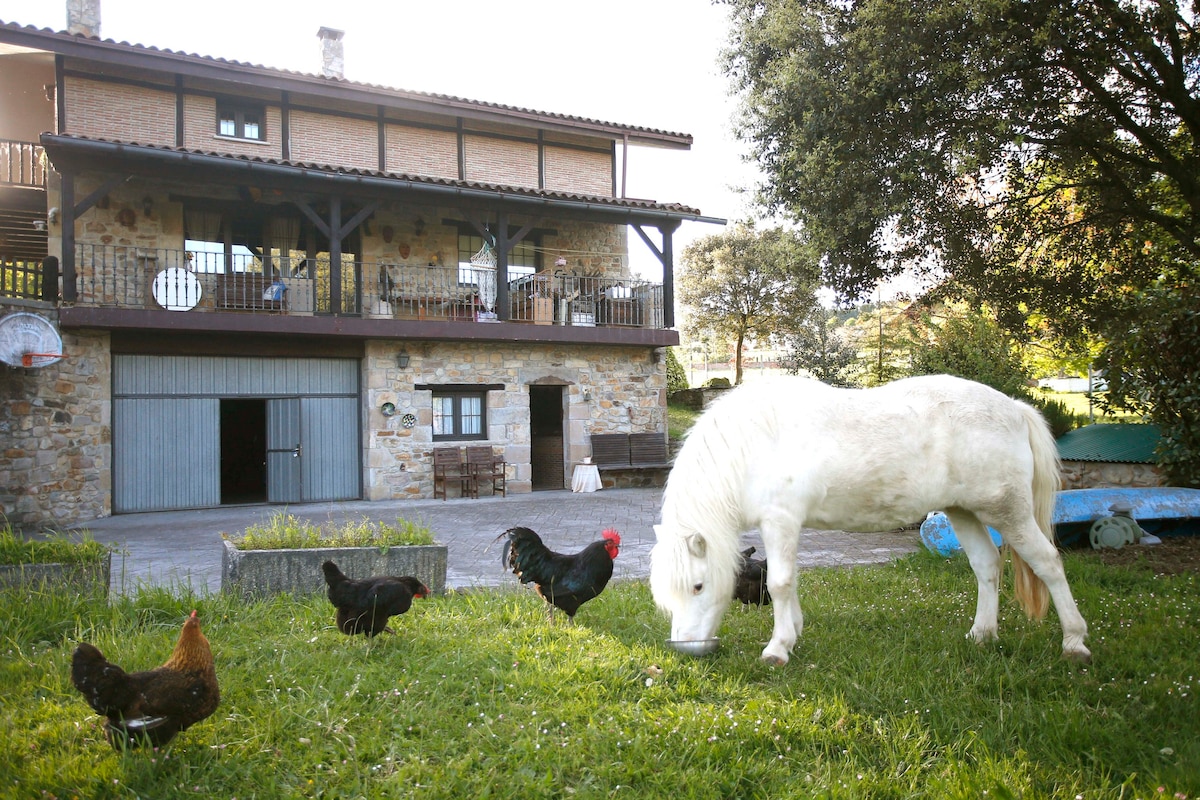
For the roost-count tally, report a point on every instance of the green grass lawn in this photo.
(479, 696)
(680, 420)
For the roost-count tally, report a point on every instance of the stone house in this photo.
(275, 287)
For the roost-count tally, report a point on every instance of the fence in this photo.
(129, 277)
(22, 164)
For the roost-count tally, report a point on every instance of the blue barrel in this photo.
(937, 534)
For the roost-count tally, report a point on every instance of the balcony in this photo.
(133, 287)
(22, 205)
(22, 164)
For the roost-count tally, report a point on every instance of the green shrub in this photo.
(286, 532)
(58, 549)
(972, 346)
(718, 383)
(677, 379)
(1061, 419)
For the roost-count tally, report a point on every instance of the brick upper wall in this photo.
(326, 139)
(420, 151)
(492, 153)
(502, 161)
(100, 109)
(578, 171)
(200, 131)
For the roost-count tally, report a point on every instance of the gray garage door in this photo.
(167, 437)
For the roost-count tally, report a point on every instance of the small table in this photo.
(586, 478)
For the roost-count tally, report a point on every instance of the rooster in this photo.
(563, 581)
(365, 606)
(150, 707)
(751, 583)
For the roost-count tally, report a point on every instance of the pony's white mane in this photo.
(705, 488)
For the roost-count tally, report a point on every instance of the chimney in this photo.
(83, 17)
(333, 63)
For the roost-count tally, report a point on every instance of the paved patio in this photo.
(183, 548)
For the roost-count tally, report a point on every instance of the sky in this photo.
(650, 63)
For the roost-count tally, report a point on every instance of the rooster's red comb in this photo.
(612, 535)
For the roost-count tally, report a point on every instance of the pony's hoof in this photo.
(773, 657)
(983, 635)
(1080, 656)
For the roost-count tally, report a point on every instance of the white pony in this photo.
(790, 453)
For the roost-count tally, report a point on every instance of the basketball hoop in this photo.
(27, 358)
(29, 340)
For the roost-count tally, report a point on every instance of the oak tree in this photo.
(1033, 154)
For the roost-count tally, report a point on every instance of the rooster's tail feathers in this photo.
(520, 545)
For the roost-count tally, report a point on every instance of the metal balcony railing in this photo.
(134, 277)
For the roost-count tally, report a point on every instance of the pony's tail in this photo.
(1030, 590)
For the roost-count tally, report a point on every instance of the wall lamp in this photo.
(402, 359)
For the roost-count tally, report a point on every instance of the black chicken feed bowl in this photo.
(694, 647)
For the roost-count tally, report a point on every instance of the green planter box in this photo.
(259, 573)
(84, 578)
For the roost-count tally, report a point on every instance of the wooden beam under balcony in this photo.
(352, 328)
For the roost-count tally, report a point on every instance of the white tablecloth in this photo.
(586, 478)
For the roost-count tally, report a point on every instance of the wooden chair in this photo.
(449, 468)
(487, 467)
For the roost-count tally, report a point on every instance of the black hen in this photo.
(563, 581)
(365, 606)
(751, 584)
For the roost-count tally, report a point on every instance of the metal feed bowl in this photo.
(694, 647)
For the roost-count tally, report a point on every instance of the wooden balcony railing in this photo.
(25, 278)
(22, 164)
(130, 277)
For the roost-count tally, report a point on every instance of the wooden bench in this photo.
(648, 451)
(243, 291)
(611, 451)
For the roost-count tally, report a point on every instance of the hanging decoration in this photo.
(486, 257)
(484, 263)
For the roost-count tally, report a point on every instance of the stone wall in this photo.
(622, 389)
(56, 434)
(1105, 475)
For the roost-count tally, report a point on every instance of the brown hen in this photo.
(150, 707)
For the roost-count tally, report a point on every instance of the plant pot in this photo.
(260, 573)
(85, 578)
